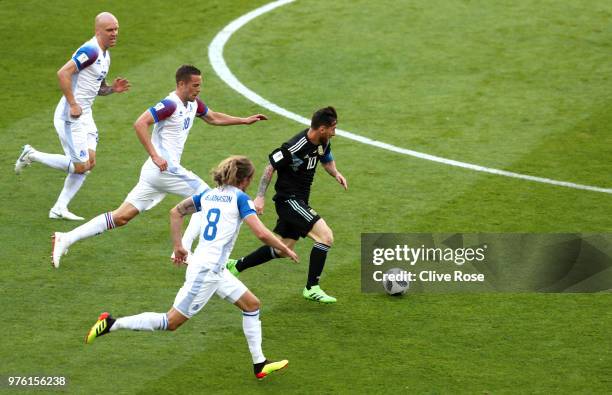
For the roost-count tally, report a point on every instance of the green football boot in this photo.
(265, 368)
(231, 266)
(315, 293)
(101, 327)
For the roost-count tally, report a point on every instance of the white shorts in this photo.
(201, 283)
(154, 185)
(77, 136)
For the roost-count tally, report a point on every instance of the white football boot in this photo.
(63, 213)
(24, 159)
(59, 248)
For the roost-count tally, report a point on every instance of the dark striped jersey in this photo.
(296, 162)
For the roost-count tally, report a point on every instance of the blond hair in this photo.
(233, 170)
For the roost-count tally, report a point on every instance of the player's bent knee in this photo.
(175, 320)
(253, 304)
(174, 325)
(124, 214)
(322, 233)
(121, 220)
(249, 302)
(328, 238)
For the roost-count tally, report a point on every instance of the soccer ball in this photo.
(396, 281)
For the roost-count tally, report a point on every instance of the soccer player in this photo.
(162, 173)
(224, 209)
(296, 161)
(81, 79)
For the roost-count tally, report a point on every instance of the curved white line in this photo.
(215, 54)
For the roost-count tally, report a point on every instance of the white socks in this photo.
(251, 326)
(94, 227)
(193, 230)
(73, 181)
(72, 184)
(56, 161)
(142, 322)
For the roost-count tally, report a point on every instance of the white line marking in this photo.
(215, 54)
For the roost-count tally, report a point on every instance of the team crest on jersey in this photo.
(82, 154)
(296, 162)
(320, 150)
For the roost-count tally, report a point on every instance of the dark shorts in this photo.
(295, 218)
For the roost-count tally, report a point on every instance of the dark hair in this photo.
(233, 170)
(326, 116)
(185, 72)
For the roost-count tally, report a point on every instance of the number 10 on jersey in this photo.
(210, 231)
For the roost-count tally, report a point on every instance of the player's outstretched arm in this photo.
(265, 235)
(221, 119)
(177, 213)
(260, 199)
(330, 168)
(141, 126)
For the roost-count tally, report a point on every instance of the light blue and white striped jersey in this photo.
(224, 208)
(92, 65)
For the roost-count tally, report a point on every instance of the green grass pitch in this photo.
(522, 86)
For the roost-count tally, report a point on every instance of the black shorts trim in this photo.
(295, 218)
